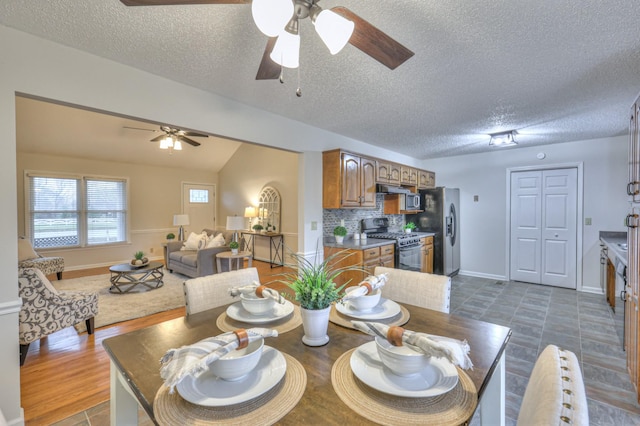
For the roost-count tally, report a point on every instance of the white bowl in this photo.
(257, 305)
(238, 363)
(401, 360)
(364, 303)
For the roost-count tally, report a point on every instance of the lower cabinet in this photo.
(611, 284)
(427, 252)
(366, 260)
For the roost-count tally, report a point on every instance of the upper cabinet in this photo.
(426, 179)
(349, 180)
(387, 173)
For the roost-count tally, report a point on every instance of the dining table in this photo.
(135, 365)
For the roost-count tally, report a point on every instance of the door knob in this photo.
(555, 235)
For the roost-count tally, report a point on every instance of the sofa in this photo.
(198, 262)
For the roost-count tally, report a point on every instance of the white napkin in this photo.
(456, 351)
(193, 360)
(251, 289)
(375, 281)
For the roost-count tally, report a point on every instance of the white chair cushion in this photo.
(211, 291)
(555, 394)
(25, 250)
(417, 288)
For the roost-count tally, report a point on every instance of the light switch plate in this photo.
(587, 221)
(314, 226)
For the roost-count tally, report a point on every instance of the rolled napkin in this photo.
(193, 360)
(456, 351)
(257, 289)
(369, 285)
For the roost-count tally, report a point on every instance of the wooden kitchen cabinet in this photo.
(611, 284)
(366, 260)
(427, 250)
(408, 176)
(387, 173)
(426, 179)
(349, 180)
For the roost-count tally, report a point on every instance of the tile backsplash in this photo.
(352, 217)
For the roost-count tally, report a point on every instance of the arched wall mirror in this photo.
(269, 208)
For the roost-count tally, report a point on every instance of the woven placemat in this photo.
(225, 323)
(452, 408)
(268, 408)
(345, 321)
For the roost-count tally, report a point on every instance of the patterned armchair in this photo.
(28, 258)
(45, 310)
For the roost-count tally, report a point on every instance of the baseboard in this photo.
(12, 307)
(482, 275)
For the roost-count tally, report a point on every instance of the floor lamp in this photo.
(180, 220)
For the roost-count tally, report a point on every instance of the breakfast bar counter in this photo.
(135, 368)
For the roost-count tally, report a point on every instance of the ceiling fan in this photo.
(172, 138)
(279, 19)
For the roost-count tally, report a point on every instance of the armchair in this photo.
(45, 310)
(28, 258)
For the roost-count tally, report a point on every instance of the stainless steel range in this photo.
(408, 246)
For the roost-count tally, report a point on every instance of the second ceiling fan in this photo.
(279, 19)
(172, 138)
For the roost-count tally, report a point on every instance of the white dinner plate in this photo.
(385, 309)
(211, 391)
(237, 312)
(439, 377)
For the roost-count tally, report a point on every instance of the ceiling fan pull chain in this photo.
(299, 90)
(281, 68)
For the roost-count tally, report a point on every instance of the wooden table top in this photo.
(137, 355)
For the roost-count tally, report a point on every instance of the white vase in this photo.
(315, 323)
(234, 251)
(339, 239)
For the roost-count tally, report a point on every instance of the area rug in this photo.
(114, 308)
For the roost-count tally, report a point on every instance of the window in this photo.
(200, 196)
(75, 211)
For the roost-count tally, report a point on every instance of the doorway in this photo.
(199, 201)
(543, 226)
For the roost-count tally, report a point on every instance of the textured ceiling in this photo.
(555, 71)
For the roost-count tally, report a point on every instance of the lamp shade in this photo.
(180, 219)
(286, 51)
(334, 30)
(250, 212)
(235, 223)
(271, 16)
(177, 145)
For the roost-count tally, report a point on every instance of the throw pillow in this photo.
(25, 250)
(194, 242)
(217, 241)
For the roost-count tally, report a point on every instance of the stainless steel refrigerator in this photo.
(441, 216)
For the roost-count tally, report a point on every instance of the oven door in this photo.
(410, 258)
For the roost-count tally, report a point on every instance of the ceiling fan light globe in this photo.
(166, 143)
(271, 16)
(177, 145)
(286, 51)
(334, 30)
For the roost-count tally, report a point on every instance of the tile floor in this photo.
(538, 316)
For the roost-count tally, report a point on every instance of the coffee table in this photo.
(125, 277)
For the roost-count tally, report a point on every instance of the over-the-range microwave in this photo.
(410, 202)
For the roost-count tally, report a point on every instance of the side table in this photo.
(230, 257)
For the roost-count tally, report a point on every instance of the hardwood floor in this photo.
(67, 373)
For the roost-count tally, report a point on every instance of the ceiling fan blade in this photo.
(374, 42)
(187, 140)
(158, 138)
(198, 135)
(139, 128)
(179, 2)
(268, 69)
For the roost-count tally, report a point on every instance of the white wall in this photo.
(483, 224)
(37, 67)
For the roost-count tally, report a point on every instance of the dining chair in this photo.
(211, 291)
(416, 288)
(555, 393)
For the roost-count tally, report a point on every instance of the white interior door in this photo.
(544, 227)
(199, 201)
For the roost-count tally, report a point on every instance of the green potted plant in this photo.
(339, 232)
(139, 259)
(171, 236)
(257, 227)
(409, 227)
(314, 288)
(233, 245)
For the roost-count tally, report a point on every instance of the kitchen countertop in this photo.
(612, 241)
(350, 243)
